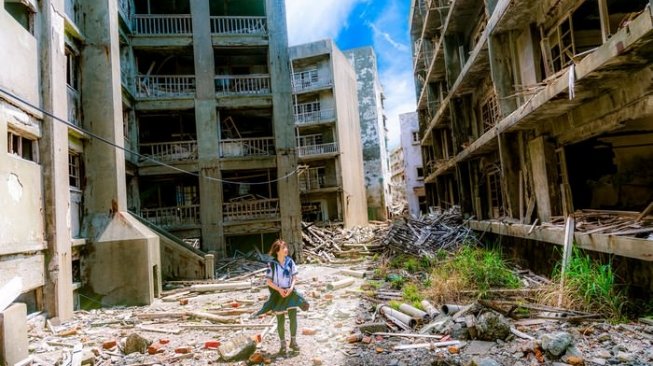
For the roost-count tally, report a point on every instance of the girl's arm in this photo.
(292, 284)
(274, 287)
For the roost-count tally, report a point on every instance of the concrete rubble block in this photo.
(556, 344)
(369, 328)
(13, 334)
(491, 326)
(136, 343)
(483, 362)
(237, 349)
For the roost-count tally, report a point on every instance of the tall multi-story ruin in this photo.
(328, 135)
(532, 110)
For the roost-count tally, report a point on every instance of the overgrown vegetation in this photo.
(588, 286)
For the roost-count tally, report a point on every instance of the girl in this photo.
(281, 278)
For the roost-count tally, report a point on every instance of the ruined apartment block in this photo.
(411, 164)
(185, 87)
(373, 131)
(206, 90)
(328, 132)
(532, 110)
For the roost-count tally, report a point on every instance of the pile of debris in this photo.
(621, 223)
(333, 243)
(424, 237)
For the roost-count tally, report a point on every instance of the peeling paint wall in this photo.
(373, 133)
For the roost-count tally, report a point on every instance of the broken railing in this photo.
(153, 86)
(306, 81)
(170, 151)
(315, 116)
(157, 24)
(242, 85)
(260, 146)
(172, 216)
(251, 210)
(320, 149)
(239, 25)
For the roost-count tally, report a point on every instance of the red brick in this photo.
(109, 344)
(212, 344)
(154, 348)
(184, 350)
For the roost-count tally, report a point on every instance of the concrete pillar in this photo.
(284, 128)
(13, 334)
(207, 126)
(58, 291)
(123, 265)
(537, 150)
(501, 64)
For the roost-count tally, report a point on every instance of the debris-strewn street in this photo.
(341, 328)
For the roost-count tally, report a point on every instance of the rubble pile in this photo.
(442, 231)
(329, 244)
(621, 223)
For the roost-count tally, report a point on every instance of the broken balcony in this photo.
(162, 17)
(317, 149)
(169, 74)
(319, 178)
(309, 80)
(241, 71)
(170, 202)
(238, 25)
(168, 137)
(174, 216)
(313, 112)
(246, 133)
(250, 195)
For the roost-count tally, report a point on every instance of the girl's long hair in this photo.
(276, 246)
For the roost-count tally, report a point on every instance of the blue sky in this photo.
(382, 24)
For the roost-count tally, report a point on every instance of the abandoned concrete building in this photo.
(411, 162)
(532, 110)
(132, 124)
(328, 135)
(373, 131)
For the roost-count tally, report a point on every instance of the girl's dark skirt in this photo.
(278, 304)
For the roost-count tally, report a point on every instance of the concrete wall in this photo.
(123, 266)
(412, 155)
(349, 141)
(373, 134)
(20, 61)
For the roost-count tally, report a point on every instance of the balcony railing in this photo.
(315, 116)
(251, 210)
(173, 216)
(242, 85)
(320, 149)
(165, 86)
(303, 84)
(170, 151)
(155, 25)
(73, 105)
(261, 146)
(239, 25)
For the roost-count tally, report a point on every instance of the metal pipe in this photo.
(414, 312)
(450, 309)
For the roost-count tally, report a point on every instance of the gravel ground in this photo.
(333, 316)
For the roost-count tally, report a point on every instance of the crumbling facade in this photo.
(373, 131)
(207, 104)
(328, 135)
(64, 224)
(532, 110)
(412, 163)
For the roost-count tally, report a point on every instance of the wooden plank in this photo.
(644, 213)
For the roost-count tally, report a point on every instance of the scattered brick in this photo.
(309, 331)
(184, 350)
(212, 344)
(109, 344)
(155, 348)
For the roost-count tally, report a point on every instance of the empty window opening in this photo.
(22, 13)
(74, 169)
(619, 174)
(490, 112)
(623, 12)
(237, 8)
(313, 211)
(249, 185)
(494, 193)
(21, 146)
(241, 244)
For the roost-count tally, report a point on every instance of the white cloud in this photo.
(311, 20)
(392, 46)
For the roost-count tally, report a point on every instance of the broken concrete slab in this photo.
(13, 334)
